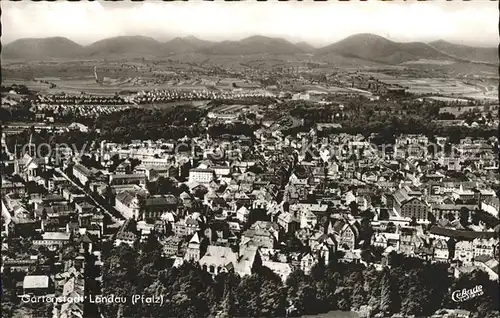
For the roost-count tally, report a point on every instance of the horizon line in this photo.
(246, 37)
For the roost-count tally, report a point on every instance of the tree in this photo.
(366, 231)
(163, 186)
(359, 295)
(318, 271)
(412, 304)
(225, 289)
(273, 300)
(293, 244)
(464, 216)
(119, 274)
(484, 304)
(342, 294)
(200, 193)
(294, 283)
(248, 296)
(353, 206)
(388, 294)
(306, 299)
(391, 227)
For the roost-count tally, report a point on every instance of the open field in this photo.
(447, 87)
(32, 85)
(319, 89)
(231, 109)
(334, 314)
(448, 99)
(182, 71)
(428, 62)
(458, 110)
(89, 85)
(198, 104)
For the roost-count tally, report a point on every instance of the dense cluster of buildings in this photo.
(158, 96)
(67, 99)
(78, 105)
(237, 204)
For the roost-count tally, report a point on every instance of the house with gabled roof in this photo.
(152, 207)
(83, 174)
(28, 167)
(242, 214)
(464, 251)
(491, 205)
(127, 203)
(218, 259)
(489, 265)
(196, 247)
(307, 261)
(127, 234)
(385, 240)
(283, 270)
(242, 198)
(307, 219)
(288, 222)
(171, 246)
(485, 246)
(408, 244)
(262, 234)
(188, 225)
(323, 246)
(84, 207)
(408, 204)
(441, 250)
(300, 177)
(346, 232)
(120, 179)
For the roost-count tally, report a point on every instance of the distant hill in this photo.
(54, 47)
(253, 45)
(187, 44)
(379, 49)
(482, 54)
(357, 49)
(123, 45)
(305, 47)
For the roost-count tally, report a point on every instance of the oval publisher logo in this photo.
(466, 294)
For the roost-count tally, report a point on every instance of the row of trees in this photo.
(385, 118)
(19, 112)
(387, 128)
(256, 100)
(232, 129)
(409, 287)
(74, 139)
(135, 123)
(360, 115)
(19, 89)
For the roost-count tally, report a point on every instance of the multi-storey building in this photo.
(484, 246)
(82, 173)
(201, 175)
(407, 203)
(464, 251)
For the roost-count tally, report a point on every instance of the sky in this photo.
(318, 23)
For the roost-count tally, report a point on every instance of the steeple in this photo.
(31, 147)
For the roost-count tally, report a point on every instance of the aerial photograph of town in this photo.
(249, 159)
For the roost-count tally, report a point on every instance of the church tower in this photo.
(193, 252)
